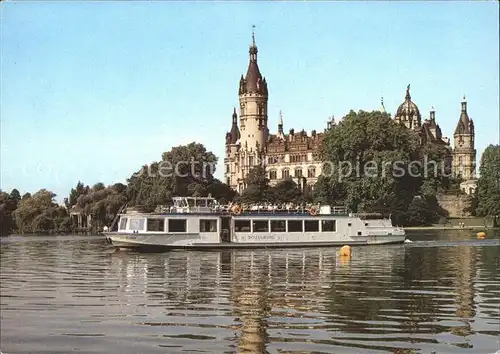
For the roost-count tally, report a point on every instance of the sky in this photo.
(91, 91)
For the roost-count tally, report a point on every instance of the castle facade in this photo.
(295, 154)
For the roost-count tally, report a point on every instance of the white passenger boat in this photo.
(201, 223)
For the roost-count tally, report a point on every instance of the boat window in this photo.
(311, 225)
(191, 202)
(260, 226)
(328, 225)
(359, 233)
(208, 225)
(242, 225)
(278, 226)
(155, 225)
(136, 224)
(295, 226)
(177, 225)
(123, 223)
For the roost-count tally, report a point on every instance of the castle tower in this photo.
(281, 134)
(253, 97)
(464, 154)
(232, 152)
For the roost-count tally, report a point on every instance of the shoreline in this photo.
(413, 228)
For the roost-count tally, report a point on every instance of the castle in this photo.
(295, 154)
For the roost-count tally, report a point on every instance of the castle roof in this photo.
(294, 141)
(465, 125)
(408, 108)
(234, 134)
(254, 81)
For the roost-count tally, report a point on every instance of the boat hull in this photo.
(150, 242)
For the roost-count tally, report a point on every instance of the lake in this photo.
(439, 294)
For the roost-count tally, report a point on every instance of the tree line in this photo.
(360, 137)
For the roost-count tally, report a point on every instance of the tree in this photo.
(489, 182)
(376, 164)
(257, 187)
(8, 205)
(40, 214)
(15, 196)
(286, 191)
(75, 193)
(102, 203)
(186, 170)
(221, 191)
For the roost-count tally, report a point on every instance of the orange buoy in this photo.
(313, 211)
(481, 235)
(345, 251)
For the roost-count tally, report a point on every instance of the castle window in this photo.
(227, 168)
(460, 161)
(228, 181)
(311, 172)
(298, 172)
(250, 160)
(285, 174)
(273, 174)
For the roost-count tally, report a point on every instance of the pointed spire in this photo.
(408, 97)
(432, 114)
(253, 35)
(234, 134)
(280, 124)
(253, 46)
(464, 122)
(382, 103)
(331, 123)
(253, 81)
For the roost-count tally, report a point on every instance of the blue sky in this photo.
(92, 91)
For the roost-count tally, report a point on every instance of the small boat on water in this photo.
(201, 223)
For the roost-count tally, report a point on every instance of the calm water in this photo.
(439, 294)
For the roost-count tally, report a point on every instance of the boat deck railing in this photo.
(253, 209)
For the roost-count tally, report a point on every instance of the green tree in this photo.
(286, 191)
(489, 182)
(7, 206)
(15, 196)
(376, 164)
(221, 191)
(40, 214)
(257, 187)
(102, 204)
(75, 193)
(186, 170)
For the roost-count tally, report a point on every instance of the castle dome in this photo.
(408, 110)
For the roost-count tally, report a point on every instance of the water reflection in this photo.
(67, 293)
